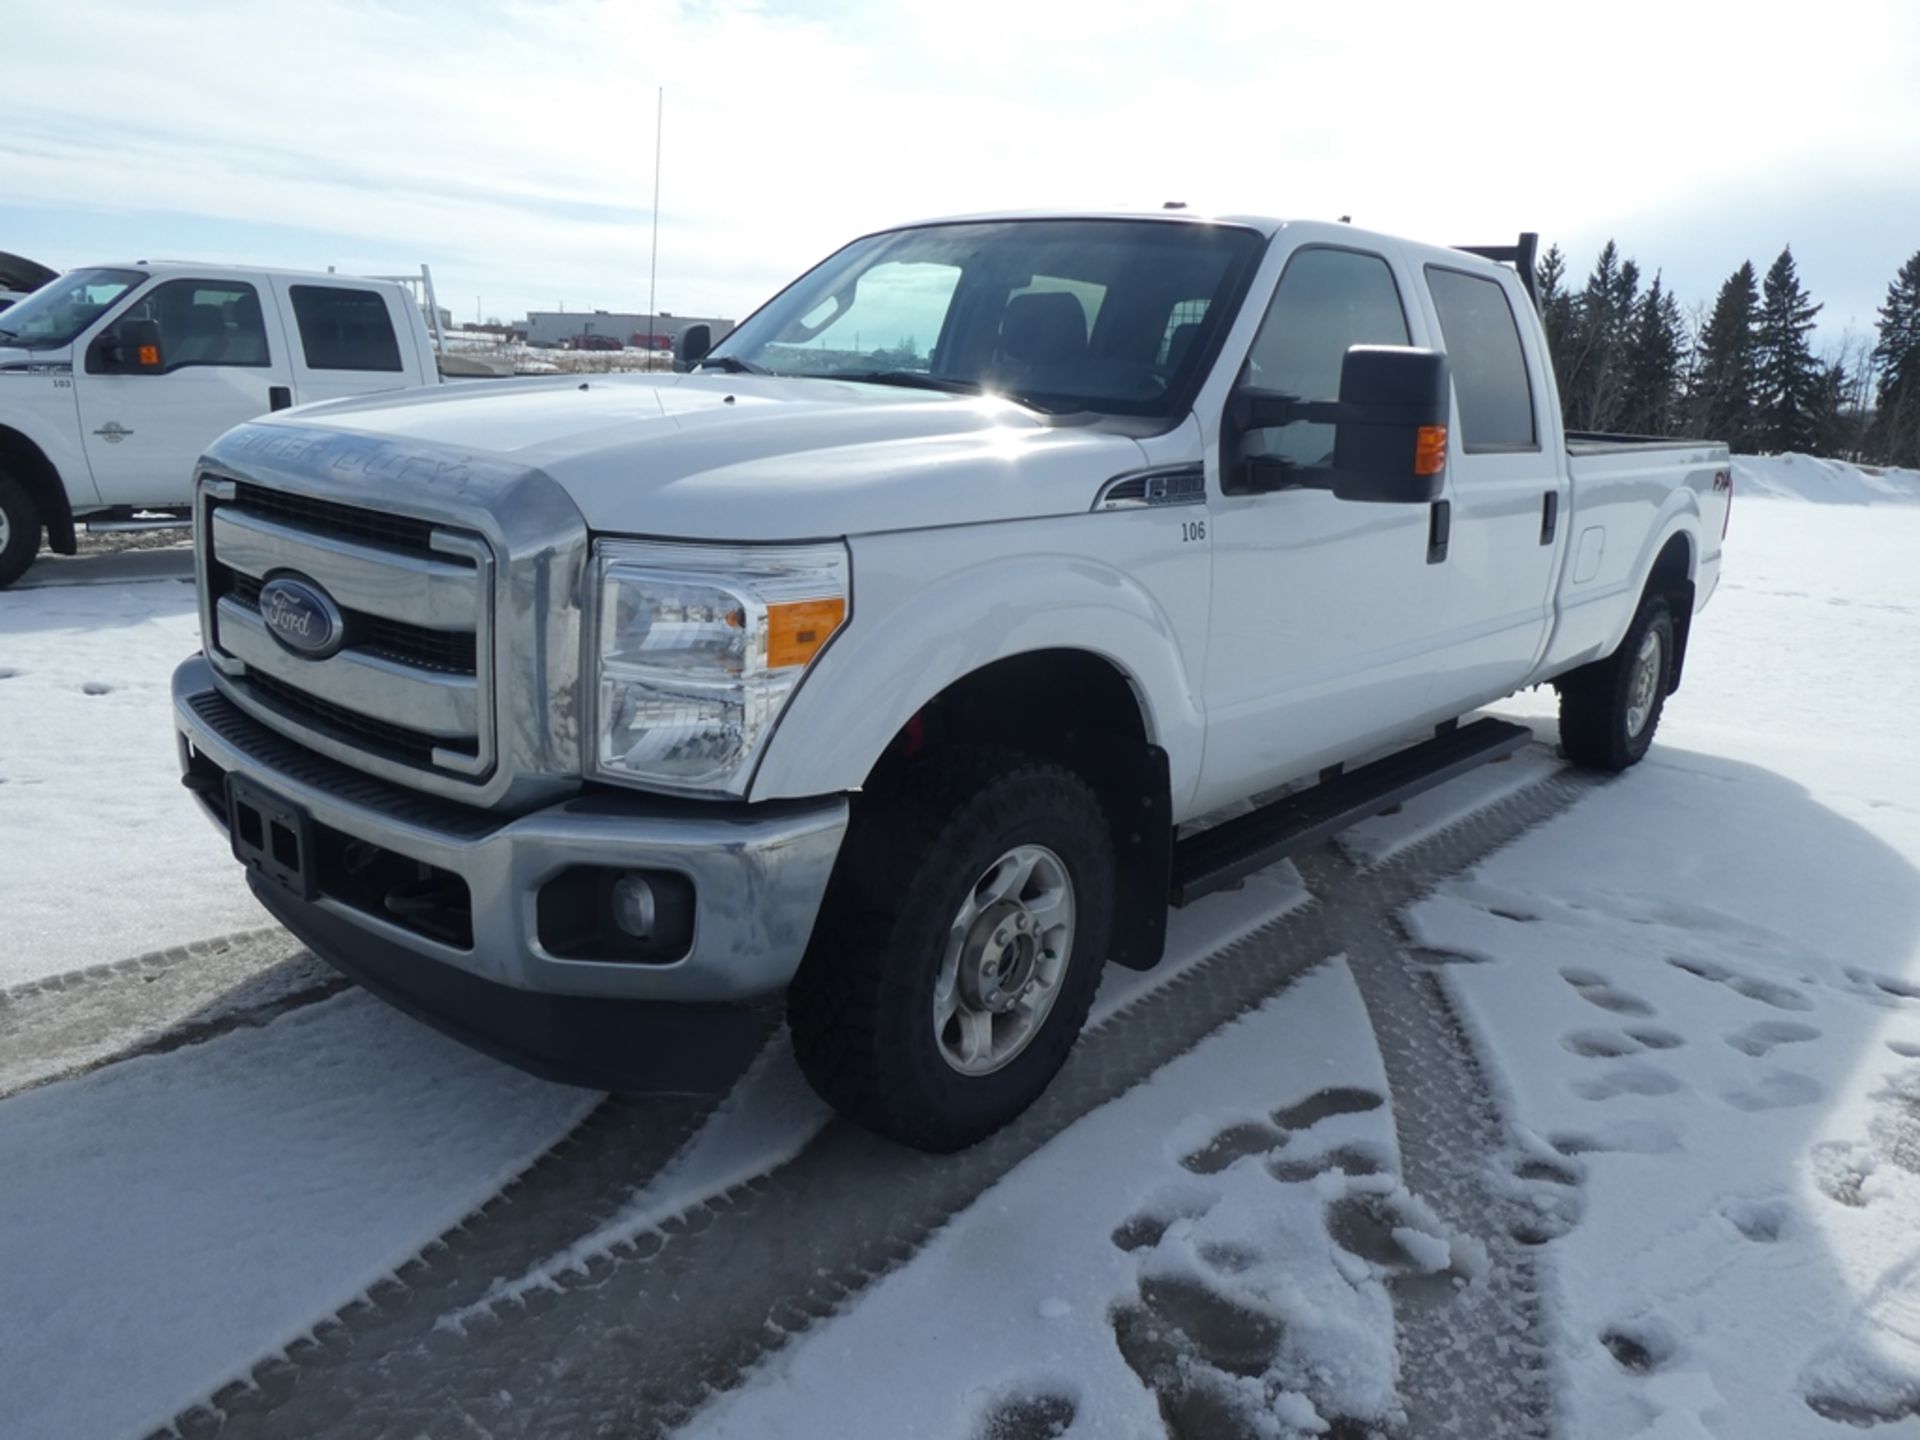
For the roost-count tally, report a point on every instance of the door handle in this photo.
(279, 397)
(1549, 517)
(1439, 530)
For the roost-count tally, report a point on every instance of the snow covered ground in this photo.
(1694, 996)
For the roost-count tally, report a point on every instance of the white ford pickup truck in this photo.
(114, 379)
(884, 657)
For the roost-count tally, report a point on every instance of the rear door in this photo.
(221, 356)
(1506, 488)
(348, 338)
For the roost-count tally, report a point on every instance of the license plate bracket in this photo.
(272, 837)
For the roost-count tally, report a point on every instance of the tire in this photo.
(864, 1009)
(1610, 709)
(19, 530)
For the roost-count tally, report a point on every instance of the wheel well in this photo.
(27, 463)
(1079, 710)
(1672, 576)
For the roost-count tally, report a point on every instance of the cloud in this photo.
(511, 143)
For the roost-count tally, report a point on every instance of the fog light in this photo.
(635, 910)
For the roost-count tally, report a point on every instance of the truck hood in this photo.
(745, 457)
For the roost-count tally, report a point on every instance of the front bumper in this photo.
(758, 875)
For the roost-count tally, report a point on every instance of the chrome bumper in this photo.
(759, 872)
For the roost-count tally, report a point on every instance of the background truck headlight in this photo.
(696, 650)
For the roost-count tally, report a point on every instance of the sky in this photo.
(510, 143)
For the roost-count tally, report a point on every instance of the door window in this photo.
(1489, 367)
(1326, 302)
(344, 329)
(205, 322)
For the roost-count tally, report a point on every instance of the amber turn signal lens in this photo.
(150, 356)
(797, 629)
(1430, 450)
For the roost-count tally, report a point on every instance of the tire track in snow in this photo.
(67, 1025)
(635, 1341)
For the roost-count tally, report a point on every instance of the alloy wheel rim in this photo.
(1645, 685)
(1006, 956)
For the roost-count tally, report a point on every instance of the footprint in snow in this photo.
(1761, 1036)
(1782, 1090)
(1236, 1142)
(1767, 992)
(1886, 984)
(96, 687)
(1348, 1159)
(1905, 1049)
(6, 674)
(1761, 1221)
(1040, 1415)
(1325, 1104)
(1640, 1346)
(1627, 1080)
(1601, 1044)
(1629, 1137)
(1596, 989)
(1145, 1228)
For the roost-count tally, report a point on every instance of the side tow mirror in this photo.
(1392, 448)
(1389, 429)
(130, 347)
(691, 345)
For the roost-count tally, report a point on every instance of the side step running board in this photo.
(1215, 858)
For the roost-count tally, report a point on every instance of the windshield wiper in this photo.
(733, 365)
(921, 380)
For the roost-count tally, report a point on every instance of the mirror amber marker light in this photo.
(1430, 450)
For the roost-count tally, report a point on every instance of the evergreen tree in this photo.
(1656, 348)
(1592, 384)
(1895, 436)
(1556, 306)
(1790, 378)
(1725, 370)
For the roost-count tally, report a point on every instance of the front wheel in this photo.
(19, 530)
(1610, 709)
(959, 951)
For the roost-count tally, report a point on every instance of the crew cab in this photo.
(885, 657)
(114, 379)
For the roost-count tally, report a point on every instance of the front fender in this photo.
(932, 607)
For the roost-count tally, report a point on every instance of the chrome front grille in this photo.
(411, 688)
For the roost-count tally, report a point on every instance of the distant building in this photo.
(563, 327)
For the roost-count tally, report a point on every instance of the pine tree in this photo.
(1789, 377)
(1656, 348)
(1592, 383)
(1895, 436)
(1725, 371)
(1555, 305)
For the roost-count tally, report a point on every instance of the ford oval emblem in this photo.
(302, 617)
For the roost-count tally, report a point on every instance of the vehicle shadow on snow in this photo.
(1740, 963)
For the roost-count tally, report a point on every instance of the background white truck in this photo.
(887, 658)
(114, 379)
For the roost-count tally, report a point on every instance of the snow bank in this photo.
(1831, 482)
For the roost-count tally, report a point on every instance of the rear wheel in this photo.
(958, 953)
(1610, 709)
(19, 530)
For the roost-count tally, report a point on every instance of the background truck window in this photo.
(344, 329)
(1489, 367)
(205, 322)
(1326, 302)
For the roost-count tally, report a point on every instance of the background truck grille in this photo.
(412, 683)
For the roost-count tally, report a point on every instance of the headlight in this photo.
(698, 648)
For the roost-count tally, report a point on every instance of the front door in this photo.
(1325, 611)
(218, 366)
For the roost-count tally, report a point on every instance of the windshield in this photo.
(57, 312)
(1115, 316)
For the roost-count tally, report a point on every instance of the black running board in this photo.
(1213, 859)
